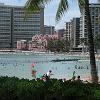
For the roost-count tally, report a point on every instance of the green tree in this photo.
(58, 45)
(51, 45)
(34, 5)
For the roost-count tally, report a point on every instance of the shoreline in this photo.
(70, 54)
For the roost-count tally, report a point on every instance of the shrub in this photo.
(24, 89)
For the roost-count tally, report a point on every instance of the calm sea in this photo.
(19, 65)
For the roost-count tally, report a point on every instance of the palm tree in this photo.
(34, 5)
(91, 44)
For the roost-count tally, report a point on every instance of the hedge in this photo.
(12, 88)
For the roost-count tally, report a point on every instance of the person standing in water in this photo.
(73, 77)
(33, 71)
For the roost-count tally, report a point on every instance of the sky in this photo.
(50, 11)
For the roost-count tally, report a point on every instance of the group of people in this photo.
(47, 76)
(44, 77)
(74, 77)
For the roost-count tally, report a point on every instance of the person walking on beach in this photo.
(48, 74)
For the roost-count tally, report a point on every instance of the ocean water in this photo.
(20, 65)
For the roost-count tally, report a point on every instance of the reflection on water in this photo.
(20, 65)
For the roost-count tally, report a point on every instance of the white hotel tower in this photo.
(13, 27)
(95, 15)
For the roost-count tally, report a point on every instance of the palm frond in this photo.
(34, 5)
(63, 6)
(81, 4)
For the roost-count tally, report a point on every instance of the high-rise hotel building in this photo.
(49, 30)
(14, 26)
(73, 32)
(95, 15)
(5, 26)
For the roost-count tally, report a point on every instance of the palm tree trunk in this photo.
(94, 75)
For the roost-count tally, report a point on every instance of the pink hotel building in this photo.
(38, 43)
